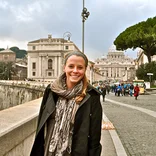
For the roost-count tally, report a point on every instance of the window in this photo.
(66, 47)
(50, 64)
(34, 73)
(5, 57)
(49, 74)
(34, 47)
(33, 65)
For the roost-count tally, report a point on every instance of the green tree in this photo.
(19, 52)
(1, 49)
(7, 70)
(141, 35)
(143, 69)
(141, 73)
(2, 67)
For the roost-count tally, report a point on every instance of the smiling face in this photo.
(75, 69)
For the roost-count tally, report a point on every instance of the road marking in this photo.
(116, 140)
(144, 110)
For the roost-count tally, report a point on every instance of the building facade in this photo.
(7, 55)
(142, 58)
(116, 66)
(46, 56)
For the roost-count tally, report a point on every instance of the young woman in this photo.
(69, 122)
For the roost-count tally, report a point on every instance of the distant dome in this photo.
(112, 48)
(7, 51)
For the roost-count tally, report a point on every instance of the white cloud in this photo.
(12, 43)
(27, 20)
(3, 4)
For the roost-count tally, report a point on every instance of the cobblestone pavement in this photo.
(136, 129)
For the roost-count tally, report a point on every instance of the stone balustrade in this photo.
(17, 128)
(14, 93)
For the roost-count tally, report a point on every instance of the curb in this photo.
(116, 142)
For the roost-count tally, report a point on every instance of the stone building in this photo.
(46, 56)
(142, 58)
(21, 67)
(116, 66)
(7, 55)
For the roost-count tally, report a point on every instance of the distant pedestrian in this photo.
(103, 92)
(115, 90)
(108, 88)
(131, 89)
(144, 85)
(122, 91)
(119, 89)
(136, 91)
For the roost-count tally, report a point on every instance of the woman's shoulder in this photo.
(91, 89)
(48, 90)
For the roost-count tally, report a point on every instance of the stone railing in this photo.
(17, 128)
(14, 93)
(151, 91)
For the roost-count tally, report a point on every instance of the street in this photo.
(134, 122)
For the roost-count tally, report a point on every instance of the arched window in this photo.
(50, 64)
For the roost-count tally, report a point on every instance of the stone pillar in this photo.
(56, 67)
(29, 66)
(40, 67)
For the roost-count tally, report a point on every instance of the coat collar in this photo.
(50, 104)
(89, 89)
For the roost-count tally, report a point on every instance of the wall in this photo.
(18, 127)
(13, 94)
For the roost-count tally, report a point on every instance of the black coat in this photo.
(87, 125)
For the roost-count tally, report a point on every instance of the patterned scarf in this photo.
(62, 136)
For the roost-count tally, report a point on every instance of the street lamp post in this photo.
(85, 14)
(67, 35)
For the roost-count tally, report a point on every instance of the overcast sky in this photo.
(22, 21)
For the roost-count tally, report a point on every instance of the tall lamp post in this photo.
(85, 14)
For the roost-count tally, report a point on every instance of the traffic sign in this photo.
(149, 73)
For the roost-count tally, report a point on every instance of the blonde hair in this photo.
(80, 97)
(77, 53)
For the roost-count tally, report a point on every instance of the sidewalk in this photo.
(111, 144)
(108, 148)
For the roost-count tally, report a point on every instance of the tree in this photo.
(7, 70)
(1, 49)
(143, 69)
(141, 73)
(141, 35)
(19, 52)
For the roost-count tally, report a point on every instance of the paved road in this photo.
(135, 122)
